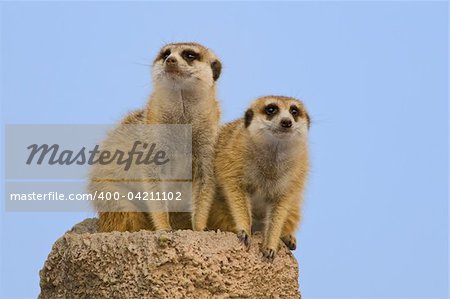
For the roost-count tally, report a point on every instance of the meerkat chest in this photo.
(259, 207)
(263, 193)
(267, 183)
(264, 190)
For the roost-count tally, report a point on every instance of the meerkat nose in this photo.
(286, 123)
(171, 61)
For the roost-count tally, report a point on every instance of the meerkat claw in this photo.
(269, 254)
(290, 242)
(244, 238)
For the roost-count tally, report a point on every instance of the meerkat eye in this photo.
(190, 55)
(165, 54)
(271, 109)
(294, 111)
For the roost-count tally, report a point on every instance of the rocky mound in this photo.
(179, 264)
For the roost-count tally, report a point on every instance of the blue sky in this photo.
(374, 76)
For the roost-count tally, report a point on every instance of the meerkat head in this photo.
(186, 65)
(277, 118)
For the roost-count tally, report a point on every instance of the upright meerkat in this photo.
(261, 166)
(184, 92)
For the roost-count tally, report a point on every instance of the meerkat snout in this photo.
(286, 123)
(171, 61)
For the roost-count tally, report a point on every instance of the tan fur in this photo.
(261, 174)
(184, 93)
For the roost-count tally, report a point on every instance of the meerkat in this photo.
(184, 79)
(261, 167)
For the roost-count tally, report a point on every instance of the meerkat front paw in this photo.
(290, 241)
(164, 229)
(199, 228)
(244, 238)
(269, 254)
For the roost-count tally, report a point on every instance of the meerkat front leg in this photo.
(290, 226)
(204, 177)
(203, 199)
(239, 205)
(276, 220)
(203, 188)
(160, 220)
(157, 209)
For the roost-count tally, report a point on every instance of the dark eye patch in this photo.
(270, 110)
(164, 54)
(190, 55)
(295, 112)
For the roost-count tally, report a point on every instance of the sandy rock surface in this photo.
(179, 264)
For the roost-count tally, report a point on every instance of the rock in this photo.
(179, 264)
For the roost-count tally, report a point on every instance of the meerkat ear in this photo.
(248, 117)
(216, 67)
(308, 120)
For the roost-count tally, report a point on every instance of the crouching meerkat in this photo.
(184, 79)
(261, 167)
